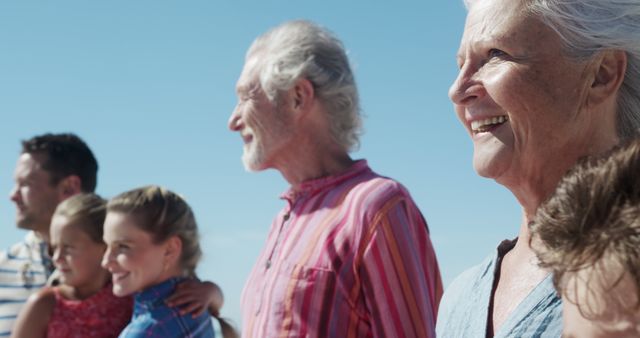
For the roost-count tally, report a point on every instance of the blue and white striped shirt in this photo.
(24, 269)
(153, 318)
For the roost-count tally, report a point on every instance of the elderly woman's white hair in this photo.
(299, 49)
(589, 26)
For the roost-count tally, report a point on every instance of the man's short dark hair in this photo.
(65, 155)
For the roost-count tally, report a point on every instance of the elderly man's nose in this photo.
(234, 120)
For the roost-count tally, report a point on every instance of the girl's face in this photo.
(133, 259)
(75, 255)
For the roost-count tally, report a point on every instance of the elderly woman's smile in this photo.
(541, 84)
(488, 124)
(524, 103)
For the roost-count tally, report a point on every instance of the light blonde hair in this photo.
(163, 214)
(87, 211)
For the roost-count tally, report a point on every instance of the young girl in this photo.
(83, 305)
(152, 245)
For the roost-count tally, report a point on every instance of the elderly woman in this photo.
(541, 84)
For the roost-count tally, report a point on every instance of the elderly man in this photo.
(350, 254)
(50, 168)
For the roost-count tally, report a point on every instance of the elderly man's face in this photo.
(263, 125)
(518, 96)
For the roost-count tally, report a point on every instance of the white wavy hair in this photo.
(589, 26)
(302, 49)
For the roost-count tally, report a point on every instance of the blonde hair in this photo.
(87, 211)
(163, 214)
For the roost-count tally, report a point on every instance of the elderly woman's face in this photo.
(519, 97)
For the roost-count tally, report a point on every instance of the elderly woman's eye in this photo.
(493, 52)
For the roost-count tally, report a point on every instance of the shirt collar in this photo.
(36, 242)
(313, 185)
(158, 292)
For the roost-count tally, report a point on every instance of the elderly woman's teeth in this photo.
(486, 124)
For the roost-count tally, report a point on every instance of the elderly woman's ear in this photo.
(610, 68)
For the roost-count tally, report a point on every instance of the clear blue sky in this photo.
(149, 84)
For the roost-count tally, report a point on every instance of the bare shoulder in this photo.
(45, 298)
(35, 315)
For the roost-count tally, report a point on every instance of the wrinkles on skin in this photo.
(513, 66)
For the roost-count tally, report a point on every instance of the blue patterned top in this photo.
(464, 309)
(153, 318)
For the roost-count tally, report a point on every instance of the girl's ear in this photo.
(172, 252)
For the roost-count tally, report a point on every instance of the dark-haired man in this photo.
(50, 168)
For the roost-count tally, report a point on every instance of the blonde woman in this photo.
(152, 246)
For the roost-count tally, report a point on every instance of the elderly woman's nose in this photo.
(465, 89)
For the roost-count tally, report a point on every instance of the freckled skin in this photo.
(543, 92)
(512, 65)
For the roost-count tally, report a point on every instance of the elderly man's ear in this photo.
(610, 68)
(302, 95)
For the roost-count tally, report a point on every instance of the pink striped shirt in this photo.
(348, 256)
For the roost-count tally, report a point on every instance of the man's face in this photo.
(598, 304)
(265, 127)
(33, 194)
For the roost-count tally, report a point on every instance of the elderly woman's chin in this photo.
(490, 166)
(493, 158)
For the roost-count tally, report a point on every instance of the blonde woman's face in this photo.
(134, 261)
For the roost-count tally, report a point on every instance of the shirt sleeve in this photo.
(147, 327)
(400, 276)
